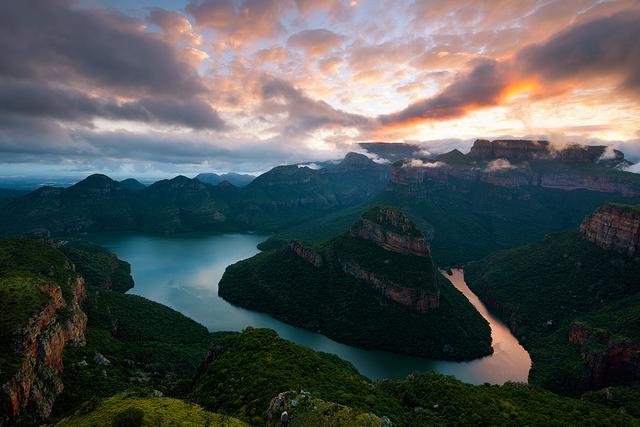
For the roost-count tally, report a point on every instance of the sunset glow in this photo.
(164, 87)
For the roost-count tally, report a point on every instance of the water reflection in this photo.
(183, 272)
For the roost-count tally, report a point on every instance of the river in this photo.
(183, 271)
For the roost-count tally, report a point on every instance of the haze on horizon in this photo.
(158, 87)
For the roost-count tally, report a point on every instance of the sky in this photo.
(152, 88)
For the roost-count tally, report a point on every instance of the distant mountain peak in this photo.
(356, 161)
(132, 184)
(97, 180)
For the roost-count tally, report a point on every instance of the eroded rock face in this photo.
(418, 299)
(393, 231)
(515, 164)
(608, 361)
(40, 343)
(512, 149)
(306, 253)
(614, 227)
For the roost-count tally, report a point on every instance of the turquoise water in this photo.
(183, 272)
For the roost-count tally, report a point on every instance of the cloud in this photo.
(606, 46)
(56, 40)
(480, 87)
(63, 62)
(499, 165)
(240, 21)
(304, 113)
(419, 163)
(43, 100)
(316, 42)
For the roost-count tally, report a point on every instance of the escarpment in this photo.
(306, 253)
(614, 227)
(417, 299)
(33, 363)
(380, 270)
(391, 230)
(520, 164)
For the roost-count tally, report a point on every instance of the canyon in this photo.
(614, 227)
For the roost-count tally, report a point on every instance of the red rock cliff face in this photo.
(306, 253)
(614, 227)
(509, 149)
(418, 299)
(608, 362)
(393, 231)
(36, 384)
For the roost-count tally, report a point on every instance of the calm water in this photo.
(183, 272)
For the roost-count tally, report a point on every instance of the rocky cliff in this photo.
(511, 149)
(519, 164)
(306, 253)
(614, 227)
(418, 299)
(39, 343)
(391, 230)
(609, 360)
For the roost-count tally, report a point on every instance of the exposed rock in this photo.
(609, 361)
(306, 253)
(40, 344)
(512, 149)
(614, 227)
(489, 162)
(391, 230)
(418, 299)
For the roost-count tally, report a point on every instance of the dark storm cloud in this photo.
(480, 87)
(63, 62)
(604, 47)
(27, 98)
(55, 39)
(305, 114)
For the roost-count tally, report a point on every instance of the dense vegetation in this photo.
(131, 410)
(98, 266)
(147, 344)
(545, 289)
(469, 223)
(246, 370)
(137, 350)
(25, 264)
(353, 311)
(280, 198)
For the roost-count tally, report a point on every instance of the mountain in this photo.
(282, 197)
(573, 300)
(391, 152)
(239, 180)
(469, 207)
(77, 351)
(132, 184)
(328, 391)
(333, 286)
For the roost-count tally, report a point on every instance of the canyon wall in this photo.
(391, 230)
(306, 253)
(418, 299)
(614, 227)
(33, 388)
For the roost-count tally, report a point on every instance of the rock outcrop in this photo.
(609, 361)
(391, 230)
(520, 164)
(418, 299)
(511, 149)
(306, 253)
(614, 227)
(40, 343)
